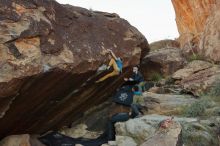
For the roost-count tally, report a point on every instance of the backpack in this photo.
(119, 64)
(124, 96)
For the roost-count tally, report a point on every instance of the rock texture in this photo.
(210, 40)
(164, 61)
(197, 22)
(181, 131)
(166, 104)
(198, 76)
(191, 68)
(16, 140)
(21, 140)
(125, 140)
(191, 16)
(165, 137)
(80, 131)
(164, 44)
(144, 128)
(49, 54)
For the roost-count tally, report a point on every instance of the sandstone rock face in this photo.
(164, 61)
(49, 54)
(198, 76)
(191, 16)
(210, 40)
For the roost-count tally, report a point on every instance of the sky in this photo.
(155, 19)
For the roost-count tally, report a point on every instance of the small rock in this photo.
(80, 131)
(125, 141)
(165, 137)
(16, 140)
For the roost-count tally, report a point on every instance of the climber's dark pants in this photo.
(119, 117)
(130, 83)
(136, 109)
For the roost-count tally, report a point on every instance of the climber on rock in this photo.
(116, 63)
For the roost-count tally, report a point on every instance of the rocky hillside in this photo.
(49, 56)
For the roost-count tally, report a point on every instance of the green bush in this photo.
(197, 108)
(198, 135)
(215, 90)
(156, 77)
(194, 57)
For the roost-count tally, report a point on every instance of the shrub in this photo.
(156, 77)
(197, 108)
(198, 135)
(215, 90)
(194, 57)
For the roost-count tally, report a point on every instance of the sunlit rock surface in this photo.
(191, 16)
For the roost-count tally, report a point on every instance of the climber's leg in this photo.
(114, 73)
(113, 64)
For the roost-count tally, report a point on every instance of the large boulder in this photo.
(164, 61)
(49, 56)
(210, 40)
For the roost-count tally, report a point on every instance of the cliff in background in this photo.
(197, 23)
(191, 16)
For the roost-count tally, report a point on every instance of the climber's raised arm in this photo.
(113, 54)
